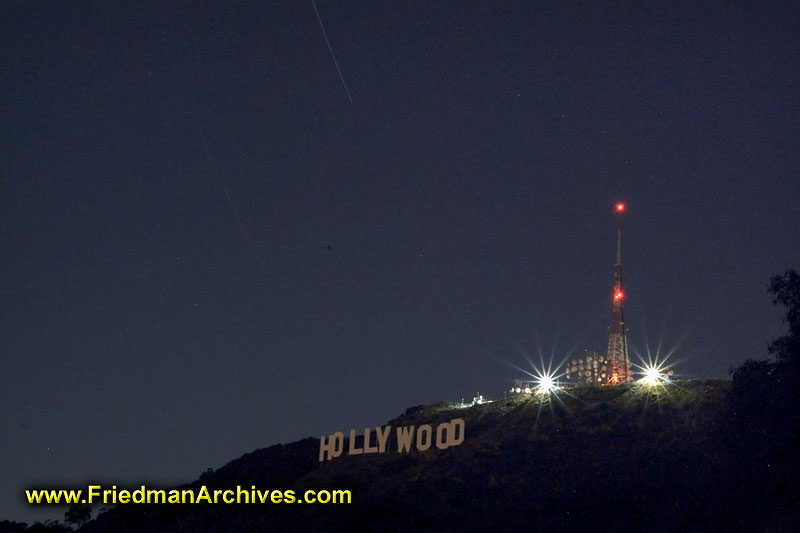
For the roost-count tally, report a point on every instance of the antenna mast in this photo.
(619, 364)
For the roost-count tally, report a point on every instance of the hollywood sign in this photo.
(446, 435)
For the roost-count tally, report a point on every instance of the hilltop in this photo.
(634, 456)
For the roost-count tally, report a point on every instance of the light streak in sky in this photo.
(336, 63)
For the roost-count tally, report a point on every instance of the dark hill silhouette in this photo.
(638, 457)
(696, 455)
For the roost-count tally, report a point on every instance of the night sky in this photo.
(208, 248)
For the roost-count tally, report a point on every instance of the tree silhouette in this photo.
(780, 376)
(78, 514)
(764, 404)
(8, 526)
(49, 526)
(786, 291)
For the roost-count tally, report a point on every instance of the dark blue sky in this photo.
(207, 248)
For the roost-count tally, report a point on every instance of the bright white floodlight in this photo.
(546, 384)
(653, 375)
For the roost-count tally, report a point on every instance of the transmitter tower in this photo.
(619, 364)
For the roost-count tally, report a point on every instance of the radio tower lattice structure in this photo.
(619, 364)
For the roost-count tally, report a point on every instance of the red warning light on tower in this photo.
(620, 207)
(618, 296)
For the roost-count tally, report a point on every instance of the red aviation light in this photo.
(618, 295)
(620, 207)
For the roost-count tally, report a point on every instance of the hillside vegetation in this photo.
(642, 457)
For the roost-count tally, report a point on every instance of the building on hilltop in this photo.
(593, 369)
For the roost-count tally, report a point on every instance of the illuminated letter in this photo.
(444, 434)
(456, 423)
(383, 436)
(353, 450)
(331, 446)
(367, 438)
(139, 495)
(423, 443)
(404, 436)
(93, 492)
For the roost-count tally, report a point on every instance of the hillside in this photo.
(653, 458)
